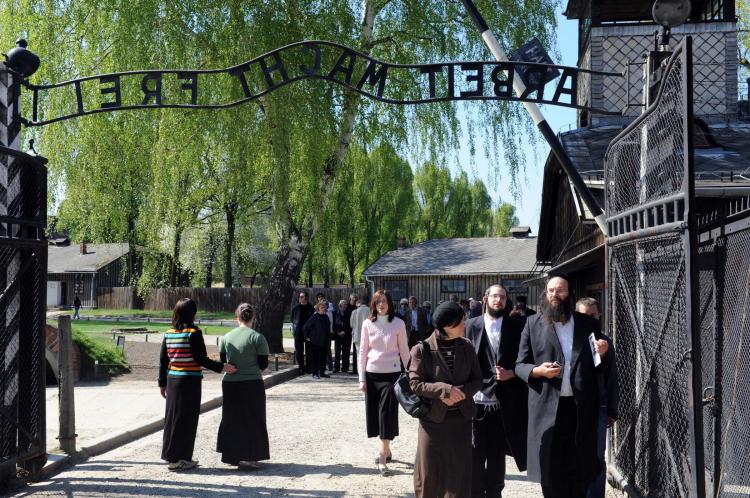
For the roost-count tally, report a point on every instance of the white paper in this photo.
(594, 354)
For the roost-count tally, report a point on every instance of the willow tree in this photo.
(302, 131)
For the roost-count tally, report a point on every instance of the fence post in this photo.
(67, 415)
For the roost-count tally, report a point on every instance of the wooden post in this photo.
(67, 436)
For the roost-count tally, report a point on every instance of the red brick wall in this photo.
(50, 337)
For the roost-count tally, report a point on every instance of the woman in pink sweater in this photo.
(383, 348)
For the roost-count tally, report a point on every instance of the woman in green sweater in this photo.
(243, 437)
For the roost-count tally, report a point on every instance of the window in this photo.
(398, 289)
(453, 285)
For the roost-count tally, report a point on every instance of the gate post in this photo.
(67, 436)
(10, 191)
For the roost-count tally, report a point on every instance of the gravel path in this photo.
(318, 449)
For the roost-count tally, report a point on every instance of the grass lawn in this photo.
(101, 330)
(202, 315)
(205, 315)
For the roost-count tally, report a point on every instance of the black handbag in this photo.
(412, 404)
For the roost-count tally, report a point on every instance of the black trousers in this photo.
(565, 478)
(355, 357)
(299, 351)
(341, 347)
(317, 359)
(487, 454)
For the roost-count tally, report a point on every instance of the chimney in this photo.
(520, 232)
(401, 243)
(83, 248)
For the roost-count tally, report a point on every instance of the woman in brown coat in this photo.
(443, 464)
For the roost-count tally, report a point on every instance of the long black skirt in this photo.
(381, 405)
(181, 418)
(443, 464)
(243, 435)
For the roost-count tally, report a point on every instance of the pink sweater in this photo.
(381, 344)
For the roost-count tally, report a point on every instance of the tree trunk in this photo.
(210, 259)
(278, 296)
(351, 264)
(309, 262)
(294, 243)
(231, 210)
(173, 265)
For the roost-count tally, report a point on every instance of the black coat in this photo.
(341, 324)
(539, 344)
(318, 330)
(300, 314)
(512, 393)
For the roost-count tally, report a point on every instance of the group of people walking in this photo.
(243, 437)
(540, 388)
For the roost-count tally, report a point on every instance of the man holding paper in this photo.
(556, 359)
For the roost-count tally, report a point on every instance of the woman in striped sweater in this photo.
(183, 357)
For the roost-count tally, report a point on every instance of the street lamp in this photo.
(669, 14)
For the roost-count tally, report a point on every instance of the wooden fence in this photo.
(119, 298)
(208, 299)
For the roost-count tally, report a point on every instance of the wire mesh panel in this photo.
(23, 267)
(650, 269)
(725, 297)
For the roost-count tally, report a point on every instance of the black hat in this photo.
(561, 274)
(447, 314)
(521, 298)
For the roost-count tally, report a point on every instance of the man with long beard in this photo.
(557, 359)
(499, 427)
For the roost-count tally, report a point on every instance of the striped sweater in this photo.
(183, 354)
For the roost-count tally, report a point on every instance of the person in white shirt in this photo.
(499, 427)
(556, 359)
(359, 315)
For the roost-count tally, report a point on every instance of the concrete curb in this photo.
(57, 462)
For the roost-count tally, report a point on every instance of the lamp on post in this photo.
(668, 14)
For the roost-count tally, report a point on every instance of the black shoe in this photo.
(325, 376)
(387, 459)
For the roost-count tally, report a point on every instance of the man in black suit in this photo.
(499, 427)
(558, 361)
(416, 323)
(520, 309)
(300, 314)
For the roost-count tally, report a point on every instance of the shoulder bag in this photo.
(412, 404)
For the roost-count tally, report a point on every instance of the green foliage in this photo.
(172, 181)
(95, 348)
(503, 219)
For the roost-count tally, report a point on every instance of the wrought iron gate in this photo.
(657, 444)
(23, 267)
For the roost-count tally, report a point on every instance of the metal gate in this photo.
(23, 267)
(724, 264)
(652, 282)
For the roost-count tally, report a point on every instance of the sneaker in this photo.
(316, 377)
(182, 465)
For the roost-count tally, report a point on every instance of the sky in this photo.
(529, 202)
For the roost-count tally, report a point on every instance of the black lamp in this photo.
(669, 14)
(22, 60)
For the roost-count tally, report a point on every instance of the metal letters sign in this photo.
(533, 51)
(378, 80)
